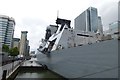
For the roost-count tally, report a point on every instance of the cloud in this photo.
(35, 15)
(36, 30)
(109, 13)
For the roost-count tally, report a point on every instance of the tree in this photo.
(13, 52)
(5, 48)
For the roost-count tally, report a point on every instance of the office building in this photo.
(114, 29)
(87, 21)
(7, 25)
(16, 42)
(27, 48)
(23, 41)
(100, 26)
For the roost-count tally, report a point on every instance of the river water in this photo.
(36, 75)
(29, 74)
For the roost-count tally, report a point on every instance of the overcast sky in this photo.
(35, 15)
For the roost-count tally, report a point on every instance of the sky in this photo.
(35, 15)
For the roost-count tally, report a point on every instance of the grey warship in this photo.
(76, 54)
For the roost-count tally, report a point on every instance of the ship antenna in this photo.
(57, 15)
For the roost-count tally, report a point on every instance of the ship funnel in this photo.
(63, 22)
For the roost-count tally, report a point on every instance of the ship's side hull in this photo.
(99, 60)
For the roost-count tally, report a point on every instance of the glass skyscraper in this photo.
(88, 20)
(6, 30)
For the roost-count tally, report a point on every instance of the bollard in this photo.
(4, 75)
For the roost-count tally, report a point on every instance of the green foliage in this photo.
(14, 51)
(5, 48)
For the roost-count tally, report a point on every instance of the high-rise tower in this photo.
(23, 42)
(7, 25)
(100, 26)
(87, 21)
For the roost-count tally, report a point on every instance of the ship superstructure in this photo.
(63, 36)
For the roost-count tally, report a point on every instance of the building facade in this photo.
(23, 44)
(7, 25)
(88, 20)
(114, 29)
(16, 42)
(100, 26)
(27, 48)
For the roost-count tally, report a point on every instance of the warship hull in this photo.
(98, 60)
